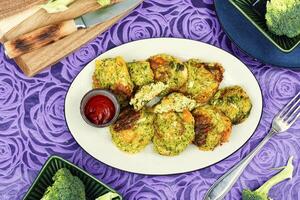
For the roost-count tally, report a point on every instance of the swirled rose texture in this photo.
(32, 122)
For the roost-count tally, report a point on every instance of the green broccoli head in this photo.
(262, 192)
(253, 195)
(283, 17)
(65, 187)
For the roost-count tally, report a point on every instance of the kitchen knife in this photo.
(51, 33)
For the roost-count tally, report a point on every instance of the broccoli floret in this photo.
(262, 192)
(250, 195)
(283, 17)
(65, 187)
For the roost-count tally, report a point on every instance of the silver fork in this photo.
(281, 122)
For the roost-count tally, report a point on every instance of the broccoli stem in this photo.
(286, 173)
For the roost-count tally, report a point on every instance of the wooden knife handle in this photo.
(39, 38)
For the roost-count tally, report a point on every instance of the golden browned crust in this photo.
(127, 119)
(204, 97)
(155, 62)
(123, 90)
(212, 127)
(169, 70)
(216, 69)
(202, 127)
(160, 68)
(226, 132)
(96, 83)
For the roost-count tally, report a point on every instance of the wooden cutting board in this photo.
(10, 7)
(35, 61)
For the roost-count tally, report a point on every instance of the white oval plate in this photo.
(97, 142)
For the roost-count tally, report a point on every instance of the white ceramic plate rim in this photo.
(97, 142)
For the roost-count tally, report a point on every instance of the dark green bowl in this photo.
(256, 15)
(93, 187)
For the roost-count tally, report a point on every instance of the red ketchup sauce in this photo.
(99, 110)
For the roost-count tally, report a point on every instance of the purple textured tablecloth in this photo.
(32, 123)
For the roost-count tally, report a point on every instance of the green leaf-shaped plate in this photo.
(256, 15)
(93, 187)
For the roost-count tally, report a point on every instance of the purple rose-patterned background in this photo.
(32, 123)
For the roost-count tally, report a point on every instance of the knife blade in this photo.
(51, 33)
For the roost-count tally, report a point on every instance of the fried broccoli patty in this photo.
(175, 102)
(146, 93)
(203, 80)
(140, 73)
(173, 132)
(133, 130)
(234, 102)
(212, 127)
(169, 70)
(112, 74)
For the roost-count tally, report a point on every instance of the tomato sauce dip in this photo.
(99, 110)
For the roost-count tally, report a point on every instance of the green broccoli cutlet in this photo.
(65, 187)
(283, 17)
(140, 73)
(174, 131)
(169, 70)
(234, 102)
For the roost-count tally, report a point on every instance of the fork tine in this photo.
(284, 110)
(294, 115)
(294, 120)
(291, 109)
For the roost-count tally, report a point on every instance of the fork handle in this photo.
(223, 185)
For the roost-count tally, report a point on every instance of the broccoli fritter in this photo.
(146, 93)
(173, 132)
(112, 74)
(169, 70)
(203, 80)
(283, 17)
(140, 73)
(133, 130)
(212, 128)
(65, 187)
(175, 102)
(233, 102)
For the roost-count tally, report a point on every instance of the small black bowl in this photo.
(96, 92)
